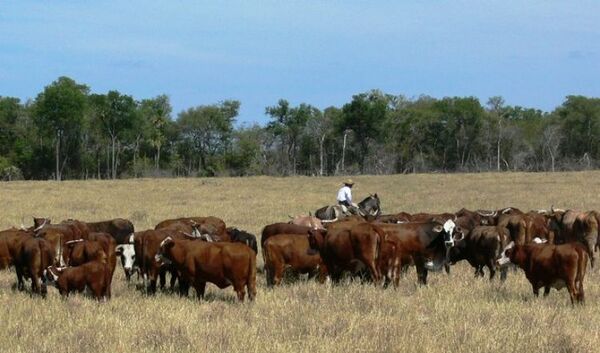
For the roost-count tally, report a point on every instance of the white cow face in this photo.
(127, 254)
(504, 258)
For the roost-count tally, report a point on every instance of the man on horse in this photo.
(344, 198)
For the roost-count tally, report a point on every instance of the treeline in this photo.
(67, 132)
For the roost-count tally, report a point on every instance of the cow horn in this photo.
(484, 214)
(74, 241)
(189, 235)
(41, 226)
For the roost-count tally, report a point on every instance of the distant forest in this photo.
(66, 132)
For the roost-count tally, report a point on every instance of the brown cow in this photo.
(222, 264)
(572, 226)
(10, 246)
(213, 226)
(93, 275)
(349, 249)
(401, 217)
(282, 228)
(291, 251)
(34, 255)
(147, 245)
(550, 266)
(120, 229)
(423, 243)
(95, 247)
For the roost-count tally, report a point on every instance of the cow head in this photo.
(39, 223)
(450, 231)
(508, 255)
(316, 238)
(127, 254)
(51, 274)
(67, 250)
(163, 248)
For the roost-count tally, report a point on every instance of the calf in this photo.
(98, 247)
(222, 264)
(147, 245)
(291, 251)
(93, 275)
(550, 266)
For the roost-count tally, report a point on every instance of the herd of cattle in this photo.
(552, 247)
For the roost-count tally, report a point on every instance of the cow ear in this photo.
(438, 228)
(119, 249)
(376, 196)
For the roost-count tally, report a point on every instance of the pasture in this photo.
(456, 313)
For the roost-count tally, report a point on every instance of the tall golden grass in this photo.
(456, 313)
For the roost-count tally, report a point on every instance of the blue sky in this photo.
(533, 53)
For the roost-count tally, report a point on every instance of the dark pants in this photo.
(345, 203)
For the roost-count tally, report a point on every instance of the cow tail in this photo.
(251, 281)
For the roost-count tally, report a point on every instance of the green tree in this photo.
(365, 116)
(156, 112)
(208, 130)
(117, 115)
(580, 117)
(59, 112)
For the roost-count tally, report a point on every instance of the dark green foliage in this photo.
(66, 132)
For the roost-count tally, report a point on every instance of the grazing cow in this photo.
(222, 264)
(291, 251)
(550, 266)
(213, 226)
(481, 247)
(95, 247)
(241, 236)
(576, 226)
(423, 243)
(307, 221)
(349, 249)
(282, 228)
(35, 255)
(93, 275)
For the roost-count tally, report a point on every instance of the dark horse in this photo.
(370, 206)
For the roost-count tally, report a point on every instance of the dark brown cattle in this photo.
(241, 236)
(222, 264)
(481, 247)
(516, 224)
(282, 228)
(80, 229)
(10, 246)
(213, 226)
(147, 245)
(120, 229)
(349, 249)
(96, 247)
(576, 226)
(35, 255)
(283, 251)
(93, 275)
(423, 243)
(550, 266)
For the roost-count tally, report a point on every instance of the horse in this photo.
(369, 207)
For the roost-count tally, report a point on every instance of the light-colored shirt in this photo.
(345, 194)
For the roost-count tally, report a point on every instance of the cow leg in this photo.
(546, 291)
(421, 271)
(240, 291)
(503, 273)
(200, 289)
(572, 292)
(491, 266)
(447, 268)
(536, 290)
(20, 283)
(174, 277)
(162, 276)
(184, 288)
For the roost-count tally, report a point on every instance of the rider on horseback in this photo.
(344, 198)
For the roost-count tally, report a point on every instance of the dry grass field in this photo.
(456, 313)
